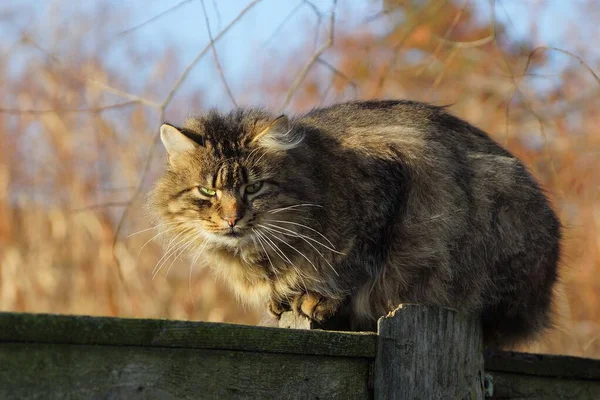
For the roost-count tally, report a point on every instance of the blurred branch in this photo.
(581, 62)
(319, 16)
(468, 44)
(103, 205)
(304, 71)
(282, 23)
(218, 14)
(339, 73)
(336, 72)
(67, 110)
(414, 22)
(162, 14)
(433, 56)
(215, 56)
(101, 85)
(195, 61)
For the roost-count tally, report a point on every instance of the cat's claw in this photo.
(276, 308)
(315, 307)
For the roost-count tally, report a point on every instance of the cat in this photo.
(355, 208)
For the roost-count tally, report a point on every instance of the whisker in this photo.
(151, 228)
(154, 237)
(307, 227)
(277, 210)
(300, 235)
(275, 248)
(293, 248)
(298, 271)
(170, 249)
(264, 250)
(191, 242)
(310, 244)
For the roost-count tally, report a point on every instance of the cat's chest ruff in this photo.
(244, 273)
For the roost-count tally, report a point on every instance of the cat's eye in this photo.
(206, 192)
(255, 187)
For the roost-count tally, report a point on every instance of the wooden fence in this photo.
(417, 353)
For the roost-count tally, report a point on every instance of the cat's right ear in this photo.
(175, 141)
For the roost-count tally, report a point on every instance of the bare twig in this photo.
(282, 23)
(215, 56)
(162, 14)
(195, 61)
(319, 16)
(414, 22)
(336, 72)
(101, 85)
(103, 205)
(467, 44)
(579, 59)
(218, 14)
(66, 110)
(304, 71)
(339, 73)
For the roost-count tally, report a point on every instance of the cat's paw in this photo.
(315, 307)
(277, 307)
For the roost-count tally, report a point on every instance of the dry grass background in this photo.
(81, 98)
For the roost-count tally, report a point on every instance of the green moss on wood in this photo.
(58, 371)
(45, 328)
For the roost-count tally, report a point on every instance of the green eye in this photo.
(255, 187)
(206, 192)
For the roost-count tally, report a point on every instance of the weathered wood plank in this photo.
(428, 353)
(509, 386)
(543, 365)
(58, 371)
(45, 328)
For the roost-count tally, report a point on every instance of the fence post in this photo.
(428, 353)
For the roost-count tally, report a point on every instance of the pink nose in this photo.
(231, 221)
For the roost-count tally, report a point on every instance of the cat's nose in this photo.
(231, 221)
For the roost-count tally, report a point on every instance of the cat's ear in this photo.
(175, 141)
(277, 134)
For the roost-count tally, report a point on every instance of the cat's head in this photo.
(226, 174)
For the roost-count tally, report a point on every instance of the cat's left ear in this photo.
(277, 134)
(175, 141)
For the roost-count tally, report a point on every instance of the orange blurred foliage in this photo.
(75, 141)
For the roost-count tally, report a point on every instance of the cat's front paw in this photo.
(315, 307)
(277, 307)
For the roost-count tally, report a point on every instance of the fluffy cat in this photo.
(352, 209)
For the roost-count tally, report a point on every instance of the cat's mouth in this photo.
(233, 233)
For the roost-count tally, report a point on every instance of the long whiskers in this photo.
(274, 246)
(183, 250)
(307, 227)
(295, 234)
(171, 249)
(259, 240)
(153, 227)
(154, 237)
(305, 237)
(292, 207)
(292, 247)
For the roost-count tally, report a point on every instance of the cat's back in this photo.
(370, 113)
(393, 120)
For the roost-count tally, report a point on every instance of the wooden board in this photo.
(60, 371)
(46, 328)
(543, 365)
(509, 386)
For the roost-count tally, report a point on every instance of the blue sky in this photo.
(255, 41)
